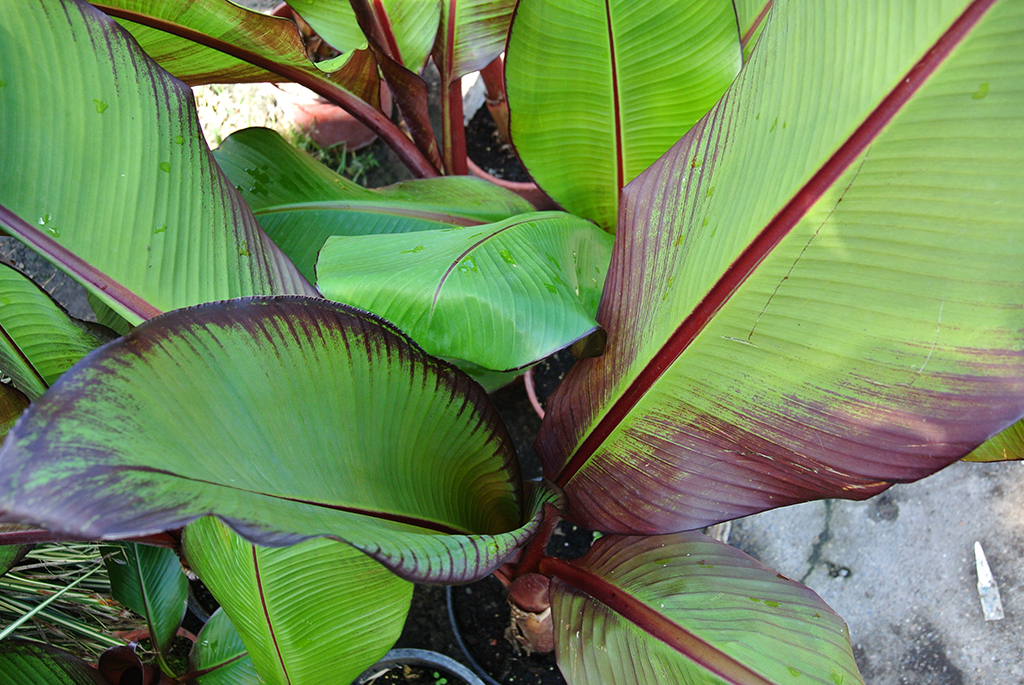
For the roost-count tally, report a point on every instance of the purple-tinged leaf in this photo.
(685, 608)
(289, 418)
(817, 291)
(109, 176)
(407, 87)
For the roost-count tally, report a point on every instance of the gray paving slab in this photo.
(900, 569)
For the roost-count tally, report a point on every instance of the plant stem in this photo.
(535, 550)
(454, 130)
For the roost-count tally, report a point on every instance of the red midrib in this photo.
(776, 229)
(650, 621)
(266, 614)
(385, 27)
(753, 27)
(620, 180)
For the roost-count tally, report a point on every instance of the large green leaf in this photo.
(38, 340)
(813, 300)
(598, 90)
(150, 582)
(301, 203)
(501, 296)
(220, 654)
(104, 162)
(31, 663)
(317, 612)
(685, 608)
(288, 418)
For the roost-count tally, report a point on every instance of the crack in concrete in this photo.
(814, 558)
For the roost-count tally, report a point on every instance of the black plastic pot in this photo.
(478, 615)
(444, 667)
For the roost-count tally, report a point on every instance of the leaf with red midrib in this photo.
(770, 342)
(686, 608)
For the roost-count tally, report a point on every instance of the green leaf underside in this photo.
(501, 296)
(31, 663)
(1007, 445)
(221, 654)
(333, 20)
(685, 608)
(217, 41)
(287, 417)
(301, 203)
(411, 25)
(217, 20)
(596, 101)
(150, 582)
(38, 340)
(317, 612)
(869, 333)
(112, 167)
(472, 34)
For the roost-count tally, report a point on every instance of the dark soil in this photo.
(518, 415)
(485, 148)
(417, 675)
(482, 615)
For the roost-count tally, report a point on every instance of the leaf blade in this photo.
(506, 278)
(841, 416)
(148, 199)
(357, 606)
(674, 607)
(588, 111)
(150, 582)
(210, 413)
